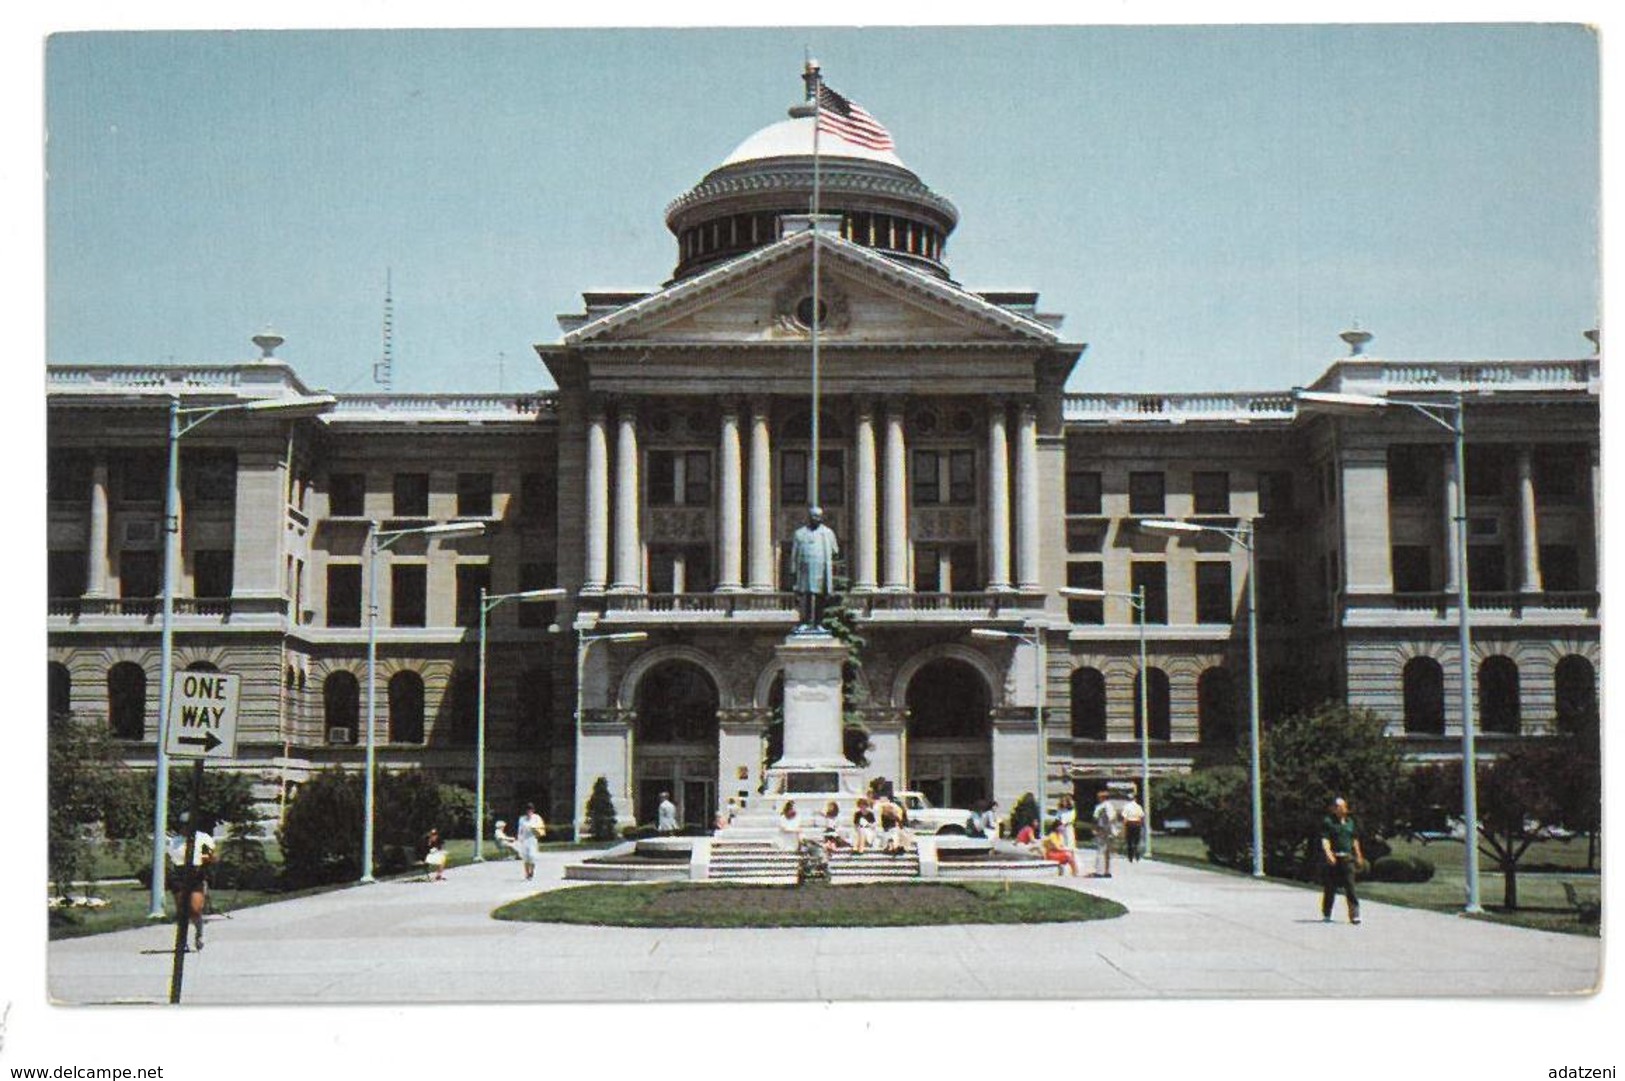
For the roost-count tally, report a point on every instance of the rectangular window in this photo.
(926, 479)
(411, 495)
(697, 478)
(212, 573)
(538, 496)
(1086, 575)
(67, 477)
(471, 579)
(1558, 471)
(1486, 568)
(408, 595)
(679, 568)
(1277, 591)
(831, 478)
(138, 574)
(1560, 568)
(793, 479)
(962, 478)
(474, 495)
(1082, 491)
(1153, 577)
(1213, 604)
(1409, 472)
(661, 467)
(928, 570)
(346, 495)
(344, 594)
(537, 576)
(65, 574)
(209, 478)
(1275, 494)
(1210, 492)
(141, 476)
(1146, 493)
(1413, 568)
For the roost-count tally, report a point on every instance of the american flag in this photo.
(850, 121)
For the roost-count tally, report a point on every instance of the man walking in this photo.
(1340, 843)
(1133, 828)
(1105, 826)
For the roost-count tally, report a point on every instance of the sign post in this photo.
(202, 724)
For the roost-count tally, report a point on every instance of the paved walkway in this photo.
(1189, 933)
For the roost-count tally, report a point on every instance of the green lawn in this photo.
(682, 904)
(1542, 903)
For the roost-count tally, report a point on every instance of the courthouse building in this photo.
(659, 483)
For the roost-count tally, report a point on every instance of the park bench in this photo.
(1589, 909)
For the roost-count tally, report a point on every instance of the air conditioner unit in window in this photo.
(340, 735)
(141, 532)
(1484, 529)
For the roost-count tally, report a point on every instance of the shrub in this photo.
(321, 831)
(635, 832)
(243, 865)
(1217, 802)
(1401, 869)
(601, 812)
(1025, 812)
(457, 811)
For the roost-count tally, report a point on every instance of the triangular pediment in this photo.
(868, 300)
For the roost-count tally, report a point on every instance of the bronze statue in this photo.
(813, 552)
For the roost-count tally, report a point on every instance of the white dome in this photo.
(794, 138)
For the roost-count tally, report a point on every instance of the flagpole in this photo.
(817, 306)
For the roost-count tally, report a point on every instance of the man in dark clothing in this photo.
(1340, 842)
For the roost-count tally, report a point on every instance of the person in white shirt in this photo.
(1133, 828)
(666, 815)
(189, 882)
(1105, 827)
(789, 838)
(531, 830)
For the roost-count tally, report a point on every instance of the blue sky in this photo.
(1208, 207)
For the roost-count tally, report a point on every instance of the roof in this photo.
(794, 139)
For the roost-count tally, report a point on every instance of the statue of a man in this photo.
(813, 555)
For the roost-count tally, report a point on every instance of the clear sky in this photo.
(1208, 207)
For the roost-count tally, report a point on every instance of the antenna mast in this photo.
(383, 372)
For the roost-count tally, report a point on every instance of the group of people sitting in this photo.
(878, 822)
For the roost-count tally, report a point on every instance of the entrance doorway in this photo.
(675, 743)
(950, 752)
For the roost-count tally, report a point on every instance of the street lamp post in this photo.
(379, 541)
(1451, 416)
(307, 405)
(1036, 640)
(1136, 600)
(488, 601)
(584, 645)
(1243, 535)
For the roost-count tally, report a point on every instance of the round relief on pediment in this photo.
(793, 309)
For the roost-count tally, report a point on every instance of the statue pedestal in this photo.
(814, 770)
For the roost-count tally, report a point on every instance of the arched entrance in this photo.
(674, 746)
(950, 747)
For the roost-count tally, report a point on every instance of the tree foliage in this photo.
(601, 812)
(321, 831)
(81, 768)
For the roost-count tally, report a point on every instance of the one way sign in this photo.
(202, 715)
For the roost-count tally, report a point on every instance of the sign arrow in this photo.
(208, 741)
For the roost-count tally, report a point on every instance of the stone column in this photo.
(1528, 530)
(731, 504)
(863, 519)
(895, 499)
(998, 498)
(597, 572)
(761, 497)
(1596, 515)
(1451, 570)
(96, 556)
(262, 487)
(1367, 541)
(628, 548)
(1027, 494)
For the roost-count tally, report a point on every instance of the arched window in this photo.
(1088, 704)
(676, 703)
(1216, 706)
(406, 707)
(127, 700)
(59, 690)
(1576, 693)
(1158, 700)
(341, 706)
(947, 699)
(460, 708)
(1424, 697)
(289, 680)
(535, 704)
(202, 666)
(1498, 695)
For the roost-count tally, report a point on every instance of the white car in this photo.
(924, 818)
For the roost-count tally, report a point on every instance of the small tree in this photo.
(601, 812)
(321, 832)
(81, 767)
(1216, 801)
(1025, 812)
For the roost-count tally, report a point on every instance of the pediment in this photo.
(868, 300)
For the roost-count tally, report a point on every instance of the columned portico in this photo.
(1027, 491)
(761, 496)
(1528, 532)
(895, 499)
(628, 546)
(998, 498)
(731, 505)
(597, 572)
(864, 520)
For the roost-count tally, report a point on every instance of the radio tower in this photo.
(383, 372)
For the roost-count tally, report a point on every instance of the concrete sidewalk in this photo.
(1189, 933)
